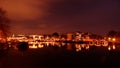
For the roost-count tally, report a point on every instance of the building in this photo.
(69, 36)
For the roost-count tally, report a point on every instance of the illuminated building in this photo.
(69, 36)
(19, 37)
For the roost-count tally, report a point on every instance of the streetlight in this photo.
(109, 38)
(113, 39)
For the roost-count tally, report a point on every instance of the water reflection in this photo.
(34, 46)
(4, 48)
(22, 46)
(79, 47)
(112, 47)
(68, 46)
(59, 53)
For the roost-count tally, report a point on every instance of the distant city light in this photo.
(109, 38)
(114, 47)
(109, 48)
(114, 39)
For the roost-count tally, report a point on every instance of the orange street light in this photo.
(113, 39)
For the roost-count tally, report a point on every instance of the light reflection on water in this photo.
(67, 53)
(70, 46)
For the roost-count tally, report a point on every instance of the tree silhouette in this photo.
(112, 33)
(4, 27)
(55, 34)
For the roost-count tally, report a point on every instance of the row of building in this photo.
(70, 37)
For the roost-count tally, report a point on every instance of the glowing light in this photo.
(78, 47)
(109, 48)
(109, 38)
(114, 39)
(105, 43)
(40, 46)
(113, 47)
(33, 47)
(63, 44)
(87, 47)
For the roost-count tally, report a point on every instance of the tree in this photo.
(55, 34)
(112, 33)
(4, 27)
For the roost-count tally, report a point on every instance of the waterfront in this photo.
(59, 55)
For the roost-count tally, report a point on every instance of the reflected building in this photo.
(69, 46)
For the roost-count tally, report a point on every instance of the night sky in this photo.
(48, 16)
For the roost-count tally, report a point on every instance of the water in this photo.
(59, 55)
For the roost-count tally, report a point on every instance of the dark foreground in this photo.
(59, 57)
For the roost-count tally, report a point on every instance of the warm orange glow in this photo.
(78, 47)
(109, 38)
(87, 47)
(113, 46)
(113, 39)
(33, 47)
(109, 48)
(40, 46)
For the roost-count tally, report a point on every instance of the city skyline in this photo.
(48, 16)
